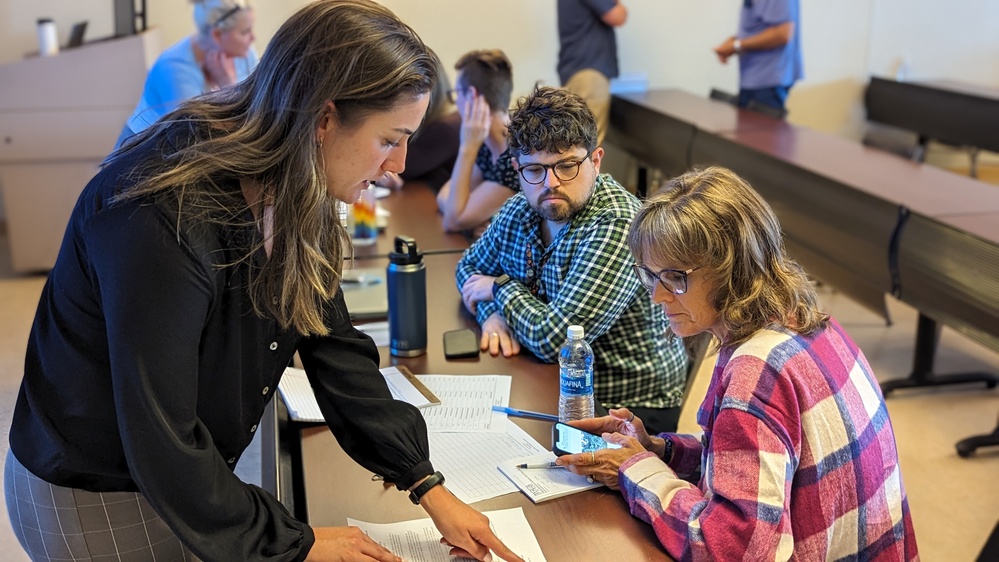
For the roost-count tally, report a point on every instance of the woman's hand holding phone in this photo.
(619, 428)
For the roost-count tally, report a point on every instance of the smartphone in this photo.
(460, 344)
(568, 440)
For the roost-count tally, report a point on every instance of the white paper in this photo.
(467, 402)
(419, 540)
(469, 460)
(381, 192)
(542, 484)
(378, 331)
(301, 400)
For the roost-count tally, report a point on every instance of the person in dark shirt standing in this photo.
(202, 256)
(587, 56)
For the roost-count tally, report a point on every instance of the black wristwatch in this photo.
(499, 282)
(431, 481)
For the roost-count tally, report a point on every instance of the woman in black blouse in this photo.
(203, 255)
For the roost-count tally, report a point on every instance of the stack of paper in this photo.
(417, 540)
(297, 393)
(542, 484)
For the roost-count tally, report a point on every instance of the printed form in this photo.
(469, 460)
(419, 540)
(466, 402)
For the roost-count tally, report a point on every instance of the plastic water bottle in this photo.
(575, 359)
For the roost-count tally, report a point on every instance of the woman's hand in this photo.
(603, 465)
(219, 68)
(347, 544)
(620, 421)
(464, 529)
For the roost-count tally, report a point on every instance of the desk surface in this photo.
(591, 525)
(924, 189)
(413, 213)
(704, 113)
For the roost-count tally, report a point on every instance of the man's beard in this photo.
(560, 213)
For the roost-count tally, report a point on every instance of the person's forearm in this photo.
(770, 38)
(461, 186)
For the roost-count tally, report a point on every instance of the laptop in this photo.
(365, 293)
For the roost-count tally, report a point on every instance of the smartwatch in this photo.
(499, 282)
(419, 491)
(737, 46)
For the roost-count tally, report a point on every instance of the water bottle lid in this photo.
(406, 252)
(575, 332)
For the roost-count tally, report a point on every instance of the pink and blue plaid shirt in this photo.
(797, 462)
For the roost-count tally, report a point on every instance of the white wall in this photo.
(844, 41)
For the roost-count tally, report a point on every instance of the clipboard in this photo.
(426, 392)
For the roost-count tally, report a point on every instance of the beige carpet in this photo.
(955, 501)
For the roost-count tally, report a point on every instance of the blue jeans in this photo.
(774, 97)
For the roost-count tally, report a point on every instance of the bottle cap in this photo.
(406, 252)
(575, 332)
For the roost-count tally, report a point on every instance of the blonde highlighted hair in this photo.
(712, 219)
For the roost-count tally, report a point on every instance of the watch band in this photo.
(417, 493)
(737, 46)
(503, 279)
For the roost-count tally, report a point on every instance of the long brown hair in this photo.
(355, 53)
(713, 219)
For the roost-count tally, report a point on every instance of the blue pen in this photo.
(525, 414)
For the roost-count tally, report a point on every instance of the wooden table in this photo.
(591, 525)
(414, 213)
(659, 126)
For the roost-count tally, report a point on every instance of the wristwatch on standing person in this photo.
(737, 46)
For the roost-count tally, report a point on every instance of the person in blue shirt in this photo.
(587, 56)
(769, 48)
(219, 54)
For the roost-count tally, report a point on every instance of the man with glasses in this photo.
(556, 255)
(483, 177)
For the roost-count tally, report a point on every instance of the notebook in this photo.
(365, 293)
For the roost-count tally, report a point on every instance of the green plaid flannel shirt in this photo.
(585, 279)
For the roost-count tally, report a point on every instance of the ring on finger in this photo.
(494, 335)
(593, 458)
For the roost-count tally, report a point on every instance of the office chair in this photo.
(726, 97)
(967, 447)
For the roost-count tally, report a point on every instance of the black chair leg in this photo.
(967, 447)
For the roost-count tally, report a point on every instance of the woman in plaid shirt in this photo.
(798, 458)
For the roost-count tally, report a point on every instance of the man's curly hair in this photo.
(551, 120)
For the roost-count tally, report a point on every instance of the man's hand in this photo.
(475, 120)
(347, 544)
(497, 336)
(725, 50)
(464, 529)
(477, 288)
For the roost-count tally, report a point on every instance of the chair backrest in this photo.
(897, 141)
(775, 112)
(726, 97)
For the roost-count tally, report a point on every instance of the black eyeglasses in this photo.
(566, 170)
(673, 280)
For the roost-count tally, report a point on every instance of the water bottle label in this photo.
(576, 381)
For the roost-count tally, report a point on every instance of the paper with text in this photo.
(301, 400)
(469, 460)
(466, 402)
(542, 484)
(379, 332)
(419, 540)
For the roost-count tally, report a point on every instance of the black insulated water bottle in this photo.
(406, 280)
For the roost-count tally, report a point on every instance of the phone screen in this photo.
(570, 440)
